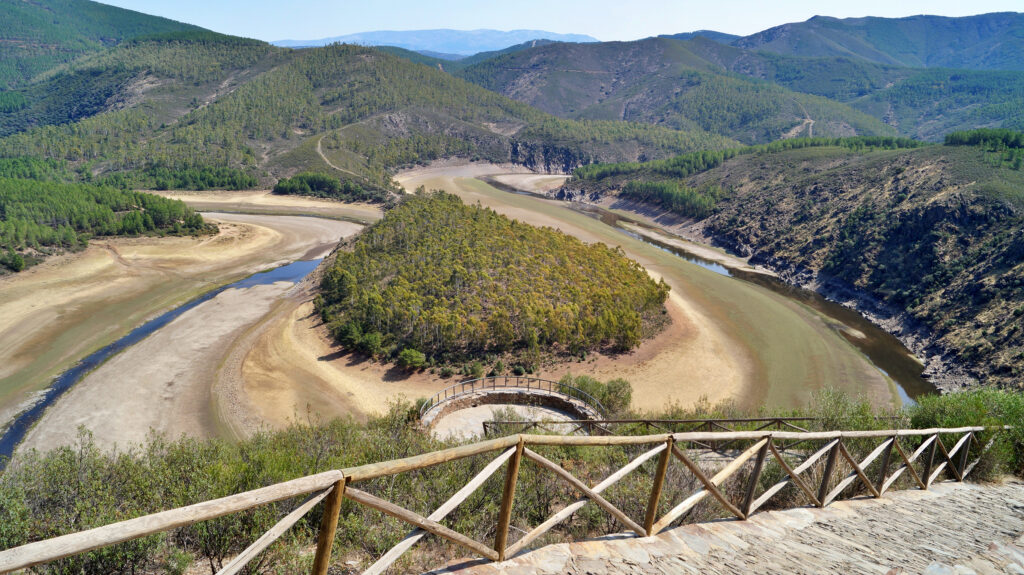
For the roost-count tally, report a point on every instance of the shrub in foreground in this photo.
(78, 487)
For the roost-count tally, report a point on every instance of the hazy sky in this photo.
(603, 19)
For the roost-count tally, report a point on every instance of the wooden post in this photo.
(886, 455)
(928, 463)
(328, 525)
(505, 515)
(830, 465)
(659, 481)
(963, 456)
(755, 477)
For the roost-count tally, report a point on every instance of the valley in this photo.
(259, 356)
(774, 262)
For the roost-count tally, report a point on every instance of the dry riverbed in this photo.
(60, 311)
(259, 357)
(264, 202)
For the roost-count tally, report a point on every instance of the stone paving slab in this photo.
(954, 529)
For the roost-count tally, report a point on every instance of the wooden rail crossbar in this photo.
(333, 486)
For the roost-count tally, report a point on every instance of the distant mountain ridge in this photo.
(984, 42)
(720, 37)
(442, 41)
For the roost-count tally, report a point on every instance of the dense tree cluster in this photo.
(1007, 145)
(198, 178)
(674, 197)
(452, 281)
(326, 186)
(12, 102)
(695, 162)
(31, 169)
(37, 215)
(993, 140)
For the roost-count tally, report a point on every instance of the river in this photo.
(19, 428)
(788, 342)
(158, 374)
(883, 349)
(740, 336)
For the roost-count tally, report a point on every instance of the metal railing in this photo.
(503, 383)
(608, 426)
(923, 454)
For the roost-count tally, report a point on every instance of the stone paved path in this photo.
(951, 529)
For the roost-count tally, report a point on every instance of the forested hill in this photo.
(439, 280)
(40, 218)
(197, 101)
(750, 95)
(983, 42)
(663, 81)
(38, 35)
(934, 232)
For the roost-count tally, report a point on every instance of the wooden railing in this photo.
(505, 382)
(923, 447)
(632, 426)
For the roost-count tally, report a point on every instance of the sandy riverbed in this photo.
(264, 202)
(67, 307)
(288, 368)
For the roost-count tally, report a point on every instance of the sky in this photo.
(605, 20)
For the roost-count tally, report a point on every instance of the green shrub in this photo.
(988, 407)
(614, 395)
(409, 358)
(78, 487)
(498, 369)
(473, 370)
